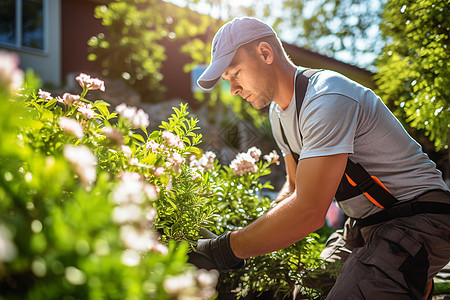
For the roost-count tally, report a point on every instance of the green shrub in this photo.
(93, 206)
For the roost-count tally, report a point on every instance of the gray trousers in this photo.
(392, 260)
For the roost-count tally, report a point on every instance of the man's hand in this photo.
(215, 253)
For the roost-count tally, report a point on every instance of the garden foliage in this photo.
(414, 68)
(95, 207)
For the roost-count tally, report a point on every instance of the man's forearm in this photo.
(297, 216)
(288, 222)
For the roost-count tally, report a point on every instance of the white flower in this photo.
(160, 248)
(45, 95)
(138, 240)
(68, 99)
(152, 145)
(124, 176)
(179, 284)
(151, 191)
(126, 150)
(243, 163)
(254, 152)
(137, 117)
(8, 250)
(158, 171)
(71, 126)
(206, 162)
(10, 74)
(207, 278)
(83, 161)
(130, 258)
(176, 162)
(151, 214)
(129, 191)
(86, 110)
(272, 157)
(90, 83)
(127, 213)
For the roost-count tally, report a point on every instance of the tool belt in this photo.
(356, 180)
(406, 209)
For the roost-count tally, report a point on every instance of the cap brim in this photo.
(212, 74)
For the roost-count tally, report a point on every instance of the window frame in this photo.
(18, 30)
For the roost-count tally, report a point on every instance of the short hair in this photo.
(274, 42)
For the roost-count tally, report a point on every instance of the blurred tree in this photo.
(131, 49)
(347, 30)
(414, 68)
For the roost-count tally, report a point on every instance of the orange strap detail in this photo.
(366, 194)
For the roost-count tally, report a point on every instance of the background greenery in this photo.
(405, 43)
(112, 211)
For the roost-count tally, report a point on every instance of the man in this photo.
(339, 125)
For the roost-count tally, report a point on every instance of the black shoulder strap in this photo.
(301, 84)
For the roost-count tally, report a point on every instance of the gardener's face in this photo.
(250, 77)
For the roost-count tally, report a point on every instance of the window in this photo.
(22, 24)
(195, 75)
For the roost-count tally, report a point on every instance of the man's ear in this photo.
(266, 52)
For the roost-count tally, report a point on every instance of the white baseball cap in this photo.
(226, 42)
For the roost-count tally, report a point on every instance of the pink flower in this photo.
(138, 239)
(158, 171)
(137, 117)
(134, 176)
(126, 150)
(129, 190)
(154, 146)
(86, 81)
(114, 134)
(172, 139)
(45, 95)
(152, 193)
(68, 99)
(243, 163)
(177, 158)
(254, 152)
(10, 74)
(86, 110)
(83, 161)
(175, 162)
(71, 126)
(272, 157)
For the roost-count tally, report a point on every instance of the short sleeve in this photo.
(328, 125)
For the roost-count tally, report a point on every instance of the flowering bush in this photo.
(94, 206)
(78, 193)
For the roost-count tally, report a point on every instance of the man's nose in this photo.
(235, 89)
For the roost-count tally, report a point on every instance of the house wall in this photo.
(306, 58)
(78, 26)
(45, 63)
(176, 81)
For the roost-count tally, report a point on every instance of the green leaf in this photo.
(138, 137)
(50, 103)
(171, 203)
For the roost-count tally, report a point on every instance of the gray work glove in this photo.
(215, 253)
